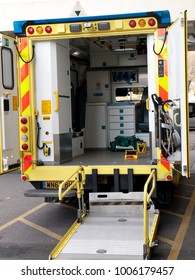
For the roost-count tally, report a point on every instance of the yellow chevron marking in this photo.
(25, 86)
(26, 111)
(163, 82)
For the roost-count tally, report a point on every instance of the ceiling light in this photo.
(76, 53)
(123, 49)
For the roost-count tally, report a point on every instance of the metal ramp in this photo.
(118, 226)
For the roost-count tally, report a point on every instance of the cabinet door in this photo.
(98, 86)
(103, 60)
(95, 126)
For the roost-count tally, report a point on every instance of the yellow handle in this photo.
(7, 93)
(57, 101)
(147, 103)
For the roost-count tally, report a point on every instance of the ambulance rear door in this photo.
(9, 142)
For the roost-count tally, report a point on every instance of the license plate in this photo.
(56, 184)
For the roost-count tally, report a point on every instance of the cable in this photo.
(169, 102)
(166, 33)
(38, 133)
(25, 61)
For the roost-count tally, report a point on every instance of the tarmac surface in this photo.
(31, 228)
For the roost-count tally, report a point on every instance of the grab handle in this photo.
(57, 101)
(147, 103)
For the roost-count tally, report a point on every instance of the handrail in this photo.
(147, 104)
(147, 197)
(78, 182)
(57, 101)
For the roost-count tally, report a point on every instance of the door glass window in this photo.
(7, 68)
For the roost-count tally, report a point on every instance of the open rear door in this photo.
(9, 140)
(178, 92)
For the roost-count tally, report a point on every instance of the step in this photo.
(46, 193)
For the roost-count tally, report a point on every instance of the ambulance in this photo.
(103, 116)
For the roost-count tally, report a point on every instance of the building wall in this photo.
(13, 10)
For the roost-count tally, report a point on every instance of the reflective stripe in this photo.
(163, 86)
(27, 163)
(24, 77)
(25, 95)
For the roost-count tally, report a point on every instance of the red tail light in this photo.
(48, 29)
(151, 22)
(30, 30)
(132, 23)
(24, 147)
(23, 120)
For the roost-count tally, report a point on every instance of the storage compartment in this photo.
(96, 126)
(121, 121)
(77, 146)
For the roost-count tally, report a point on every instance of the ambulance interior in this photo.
(116, 89)
(105, 114)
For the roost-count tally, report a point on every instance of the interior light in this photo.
(123, 49)
(76, 53)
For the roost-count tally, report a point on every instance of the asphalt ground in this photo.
(31, 228)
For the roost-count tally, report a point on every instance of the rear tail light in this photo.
(24, 129)
(132, 23)
(24, 178)
(24, 147)
(152, 22)
(24, 134)
(142, 23)
(30, 30)
(48, 29)
(23, 120)
(169, 177)
(39, 29)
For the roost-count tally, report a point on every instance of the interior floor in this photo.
(106, 157)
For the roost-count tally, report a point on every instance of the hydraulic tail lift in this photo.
(117, 226)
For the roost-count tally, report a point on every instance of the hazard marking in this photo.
(165, 164)
(25, 101)
(27, 163)
(78, 10)
(128, 202)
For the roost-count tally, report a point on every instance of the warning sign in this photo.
(78, 10)
(15, 103)
(46, 107)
